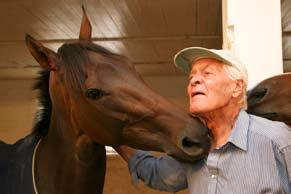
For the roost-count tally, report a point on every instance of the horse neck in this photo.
(61, 129)
(68, 161)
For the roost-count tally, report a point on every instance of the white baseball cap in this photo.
(184, 59)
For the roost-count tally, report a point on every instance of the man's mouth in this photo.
(197, 93)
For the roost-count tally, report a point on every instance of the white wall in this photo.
(252, 29)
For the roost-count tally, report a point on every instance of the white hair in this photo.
(239, 74)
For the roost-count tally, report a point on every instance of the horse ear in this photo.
(86, 29)
(44, 56)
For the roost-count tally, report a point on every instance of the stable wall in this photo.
(18, 105)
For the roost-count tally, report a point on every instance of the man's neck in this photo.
(220, 123)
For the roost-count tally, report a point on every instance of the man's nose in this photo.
(195, 80)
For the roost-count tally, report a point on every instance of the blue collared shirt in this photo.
(256, 159)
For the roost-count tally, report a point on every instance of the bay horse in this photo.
(91, 97)
(271, 98)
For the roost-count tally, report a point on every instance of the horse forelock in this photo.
(73, 56)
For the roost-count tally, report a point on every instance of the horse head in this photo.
(97, 95)
(271, 98)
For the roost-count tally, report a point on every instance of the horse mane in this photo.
(43, 115)
(71, 56)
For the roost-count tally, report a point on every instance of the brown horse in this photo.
(92, 98)
(271, 98)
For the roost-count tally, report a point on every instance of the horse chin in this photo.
(183, 157)
(171, 150)
(192, 155)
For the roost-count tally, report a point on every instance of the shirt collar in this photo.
(239, 134)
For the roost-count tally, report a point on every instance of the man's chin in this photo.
(198, 111)
(199, 107)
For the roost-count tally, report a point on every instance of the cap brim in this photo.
(184, 58)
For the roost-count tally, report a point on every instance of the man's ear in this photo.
(44, 56)
(238, 89)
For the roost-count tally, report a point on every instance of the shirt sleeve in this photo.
(162, 173)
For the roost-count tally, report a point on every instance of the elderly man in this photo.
(249, 154)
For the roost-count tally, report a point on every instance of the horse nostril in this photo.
(256, 95)
(192, 147)
(188, 143)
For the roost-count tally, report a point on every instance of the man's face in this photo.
(210, 87)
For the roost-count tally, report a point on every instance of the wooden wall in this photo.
(286, 33)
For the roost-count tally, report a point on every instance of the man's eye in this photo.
(208, 73)
(190, 76)
(95, 93)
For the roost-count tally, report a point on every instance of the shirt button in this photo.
(213, 176)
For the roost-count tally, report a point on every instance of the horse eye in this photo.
(95, 93)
